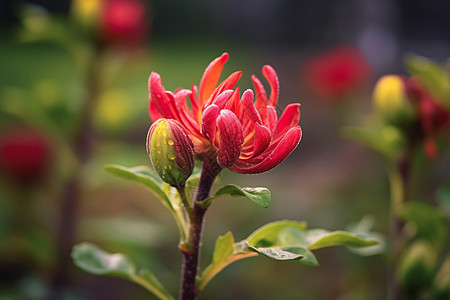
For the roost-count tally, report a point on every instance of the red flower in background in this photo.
(336, 73)
(24, 155)
(434, 118)
(245, 136)
(124, 21)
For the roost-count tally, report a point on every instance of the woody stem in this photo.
(191, 254)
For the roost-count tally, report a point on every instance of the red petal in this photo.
(262, 139)
(227, 84)
(159, 97)
(249, 107)
(260, 99)
(211, 77)
(286, 145)
(289, 118)
(209, 122)
(190, 125)
(222, 99)
(272, 118)
(231, 138)
(153, 111)
(272, 78)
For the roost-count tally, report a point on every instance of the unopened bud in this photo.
(391, 101)
(171, 151)
(418, 266)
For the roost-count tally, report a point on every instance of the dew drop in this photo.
(170, 142)
(177, 148)
(171, 156)
(158, 144)
(159, 151)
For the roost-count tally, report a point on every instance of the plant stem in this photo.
(83, 142)
(191, 253)
(399, 178)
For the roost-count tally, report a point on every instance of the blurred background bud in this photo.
(418, 266)
(337, 73)
(25, 155)
(119, 22)
(171, 151)
(391, 101)
(87, 12)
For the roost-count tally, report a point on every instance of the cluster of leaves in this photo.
(281, 240)
(424, 264)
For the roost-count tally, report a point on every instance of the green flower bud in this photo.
(171, 151)
(418, 266)
(391, 101)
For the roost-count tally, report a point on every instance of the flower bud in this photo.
(418, 266)
(171, 151)
(391, 101)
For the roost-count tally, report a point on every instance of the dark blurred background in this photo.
(73, 97)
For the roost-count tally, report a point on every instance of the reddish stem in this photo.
(191, 254)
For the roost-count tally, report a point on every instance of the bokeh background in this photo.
(73, 97)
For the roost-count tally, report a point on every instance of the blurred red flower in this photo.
(434, 118)
(124, 21)
(24, 155)
(336, 73)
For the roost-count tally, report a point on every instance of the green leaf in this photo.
(433, 76)
(94, 260)
(277, 254)
(143, 176)
(309, 259)
(267, 235)
(259, 195)
(443, 197)
(428, 222)
(292, 233)
(382, 138)
(320, 238)
(223, 250)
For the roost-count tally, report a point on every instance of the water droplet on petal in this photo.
(170, 142)
(171, 156)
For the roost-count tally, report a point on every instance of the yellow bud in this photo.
(391, 101)
(171, 151)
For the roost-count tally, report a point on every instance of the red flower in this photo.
(243, 135)
(336, 73)
(434, 118)
(124, 21)
(24, 155)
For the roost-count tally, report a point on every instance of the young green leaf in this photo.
(291, 233)
(428, 222)
(225, 253)
(267, 235)
(259, 195)
(94, 260)
(277, 254)
(145, 177)
(320, 238)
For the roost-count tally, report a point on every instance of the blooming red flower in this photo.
(336, 73)
(244, 134)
